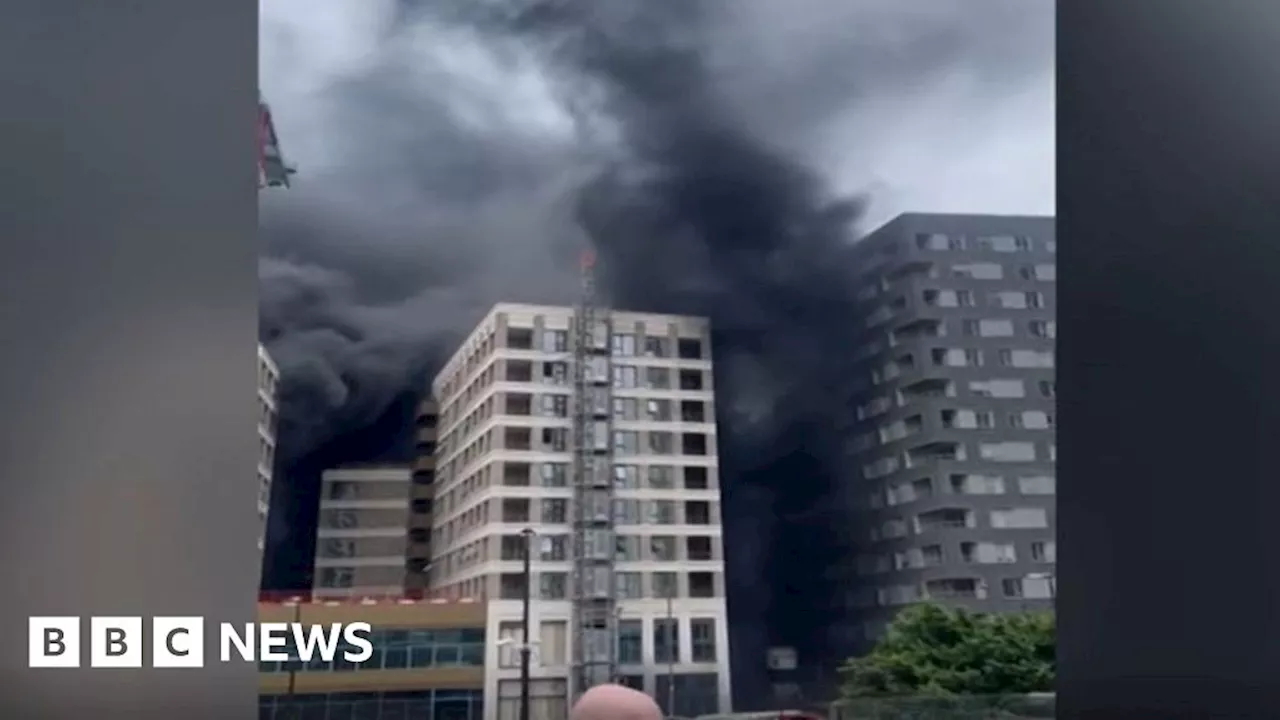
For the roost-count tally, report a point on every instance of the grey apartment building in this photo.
(953, 442)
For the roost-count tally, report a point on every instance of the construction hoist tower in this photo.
(272, 169)
(594, 615)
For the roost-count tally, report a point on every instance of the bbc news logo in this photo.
(178, 642)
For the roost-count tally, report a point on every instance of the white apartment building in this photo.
(504, 465)
(362, 535)
(268, 409)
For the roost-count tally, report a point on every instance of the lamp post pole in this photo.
(525, 647)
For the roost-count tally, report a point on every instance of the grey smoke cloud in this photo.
(722, 155)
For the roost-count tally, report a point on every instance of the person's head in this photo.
(615, 702)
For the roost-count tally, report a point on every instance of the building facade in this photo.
(369, 537)
(373, 536)
(953, 434)
(268, 411)
(504, 468)
(428, 662)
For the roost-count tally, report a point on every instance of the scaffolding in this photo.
(594, 609)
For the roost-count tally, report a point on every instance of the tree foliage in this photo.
(932, 650)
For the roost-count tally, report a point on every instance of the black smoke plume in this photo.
(674, 143)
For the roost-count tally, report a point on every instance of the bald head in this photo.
(615, 702)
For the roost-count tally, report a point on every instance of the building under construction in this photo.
(586, 435)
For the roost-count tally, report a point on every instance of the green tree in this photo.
(933, 650)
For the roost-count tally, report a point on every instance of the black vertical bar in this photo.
(524, 625)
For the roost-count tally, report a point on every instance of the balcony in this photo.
(917, 329)
(935, 452)
(955, 589)
(944, 519)
(925, 389)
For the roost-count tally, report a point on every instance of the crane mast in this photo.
(272, 169)
(594, 608)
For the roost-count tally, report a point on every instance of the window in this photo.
(1047, 272)
(697, 512)
(689, 349)
(661, 443)
(340, 490)
(554, 474)
(1042, 329)
(693, 443)
(999, 243)
(932, 241)
(626, 512)
(657, 410)
(1020, 518)
(624, 376)
(663, 548)
(1011, 587)
(1032, 420)
(979, 271)
(516, 474)
(556, 439)
(1046, 552)
(662, 477)
(977, 485)
(695, 478)
(520, 338)
(691, 380)
(665, 585)
(512, 547)
(656, 347)
(509, 651)
(995, 328)
(626, 548)
(1026, 358)
(666, 640)
(553, 548)
(552, 585)
(1007, 451)
(626, 477)
(964, 298)
(702, 637)
(555, 341)
(988, 553)
(625, 409)
(511, 586)
(698, 547)
(1037, 485)
(626, 442)
(693, 411)
(702, 585)
(515, 510)
(998, 388)
(1010, 300)
(555, 511)
(553, 405)
(514, 438)
(631, 643)
(657, 378)
(1035, 300)
(624, 345)
(332, 577)
(1048, 389)
(662, 512)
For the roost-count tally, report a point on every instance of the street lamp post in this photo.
(525, 647)
(671, 656)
